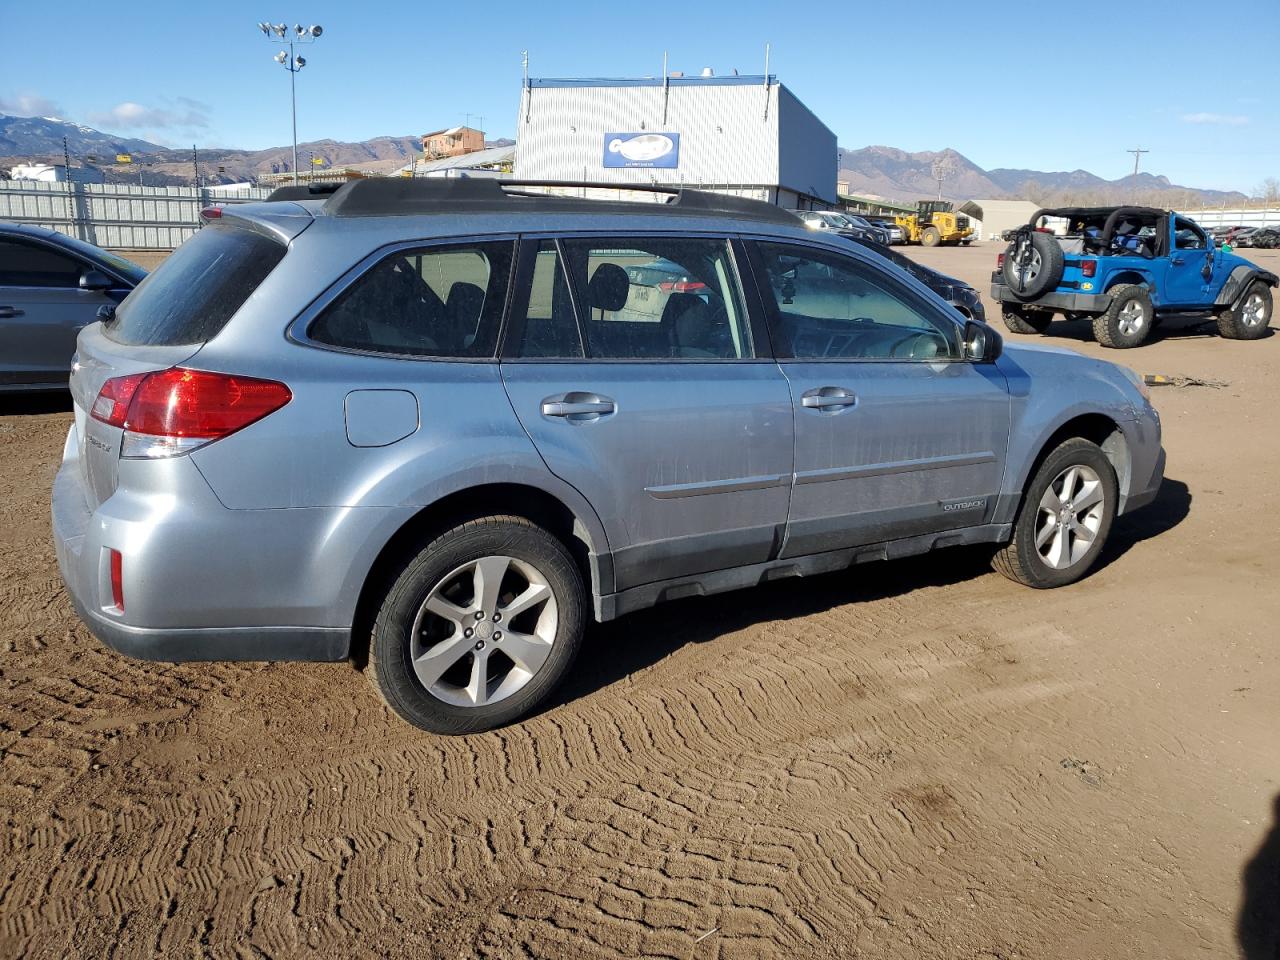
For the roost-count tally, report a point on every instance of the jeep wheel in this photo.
(1033, 264)
(1128, 319)
(479, 627)
(930, 237)
(1250, 317)
(1020, 320)
(1064, 519)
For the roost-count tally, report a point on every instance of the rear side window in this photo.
(32, 265)
(190, 297)
(426, 301)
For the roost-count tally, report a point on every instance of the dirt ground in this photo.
(909, 760)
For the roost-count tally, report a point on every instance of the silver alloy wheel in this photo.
(484, 631)
(1071, 513)
(1132, 317)
(1254, 310)
(1029, 269)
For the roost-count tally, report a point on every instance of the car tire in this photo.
(425, 652)
(930, 237)
(1045, 263)
(1127, 320)
(1053, 548)
(1020, 320)
(1250, 318)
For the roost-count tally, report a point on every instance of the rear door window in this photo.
(190, 297)
(440, 301)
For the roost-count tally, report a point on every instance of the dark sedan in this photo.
(956, 292)
(51, 285)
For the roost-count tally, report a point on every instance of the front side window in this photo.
(1188, 236)
(32, 265)
(426, 301)
(830, 307)
(660, 298)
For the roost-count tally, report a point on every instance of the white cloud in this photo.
(180, 114)
(1221, 119)
(27, 104)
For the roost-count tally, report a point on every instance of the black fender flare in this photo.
(1240, 280)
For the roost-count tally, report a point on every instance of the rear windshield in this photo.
(198, 288)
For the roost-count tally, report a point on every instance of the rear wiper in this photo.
(107, 312)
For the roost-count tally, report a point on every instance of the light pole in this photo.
(293, 63)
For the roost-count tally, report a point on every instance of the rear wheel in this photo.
(1064, 519)
(1128, 319)
(480, 626)
(1248, 319)
(930, 237)
(1021, 320)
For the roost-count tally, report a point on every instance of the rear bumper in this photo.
(1070, 302)
(78, 536)
(202, 582)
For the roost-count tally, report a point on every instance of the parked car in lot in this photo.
(840, 224)
(51, 286)
(368, 422)
(1126, 268)
(895, 233)
(1264, 238)
(956, 292)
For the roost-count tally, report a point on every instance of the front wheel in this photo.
(1248, 319)
(1064, 519)
(930, 237)
(479, 627)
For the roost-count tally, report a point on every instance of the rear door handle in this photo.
(578, 406)
(828, 398)
(1177, 261)
(8, 313)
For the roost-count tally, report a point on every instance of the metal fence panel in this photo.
(116, 215)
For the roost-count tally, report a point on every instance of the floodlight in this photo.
(281, 29)
(265, 28)
(299, 62)
(315, 30)
(299, 29)
(281, 57)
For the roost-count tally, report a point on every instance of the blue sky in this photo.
(1042, 85)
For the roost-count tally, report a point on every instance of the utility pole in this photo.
(293, 63)
(195, 167)
(72, 219)
(1137, 155)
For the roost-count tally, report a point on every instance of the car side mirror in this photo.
(981, 343)
(95, 280)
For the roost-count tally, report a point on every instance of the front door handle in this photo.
(1177, 261)
(578, 406)
(8, 313)
(829, 398)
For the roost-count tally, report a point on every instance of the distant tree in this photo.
(1268, 190)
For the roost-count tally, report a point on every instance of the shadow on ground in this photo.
(25, 404)
(619, 648)
(1171, 328)
(1258, 926)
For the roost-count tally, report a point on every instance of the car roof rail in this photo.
(407, 196)
(302, 191)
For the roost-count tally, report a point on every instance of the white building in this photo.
(55, 173)
(748, 136)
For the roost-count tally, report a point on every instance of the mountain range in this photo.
(877, 170)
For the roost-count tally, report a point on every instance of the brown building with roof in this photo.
(452, 142)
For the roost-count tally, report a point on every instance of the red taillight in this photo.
(681, 286)
(193, 403)
(112, 403)
(1088, 268)
(999, 261)
(211, 213)
(187, 407)
(117, 579)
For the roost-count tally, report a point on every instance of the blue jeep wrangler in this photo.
(1127, 268)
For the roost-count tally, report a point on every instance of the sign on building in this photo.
(642, 150)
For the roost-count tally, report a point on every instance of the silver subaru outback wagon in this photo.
(444, 424)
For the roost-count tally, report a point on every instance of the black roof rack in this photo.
(406, 196)
(303, 191)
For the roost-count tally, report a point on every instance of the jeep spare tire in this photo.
(1033, 264)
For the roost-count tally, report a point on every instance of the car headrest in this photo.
(608, 287)
(465, 302)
